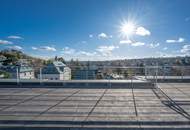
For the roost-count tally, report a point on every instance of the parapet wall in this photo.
(79, 84)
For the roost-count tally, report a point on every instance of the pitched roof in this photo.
(21, 68)
(56, 67)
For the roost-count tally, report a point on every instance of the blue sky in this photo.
(93, 29)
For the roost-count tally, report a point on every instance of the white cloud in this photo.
(87, 53)
(106, 50)
(165, 48)
(90, 36)
(47, 48)
(135, 44)
(179, 40)
(164, 54)
(142, 31)
(83, 42)
(170, 41)
(5, 42)
(101, 53)
(34, 48)
(44, 48)
(185, 49)
(74, 53)
(138, 44)
(102, 35)
(68, 51)
(15, 47)
(125, 42)
(15, 37)
(154, 45)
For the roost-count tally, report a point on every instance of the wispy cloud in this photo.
(68, 51)
(15, 37)
(179, 40)
(73, 52)
(91, 36)
(138, 44)
(15, 47)
(87, 53)
(165, 48)
(125, 42)
(135, 44)
(166, 54)
(44, 48)
(154, 45)
(106, 50)
(101, 53)
(5, 42)
(185, 49)
(142, 31)
(104, 36)
(83, 42)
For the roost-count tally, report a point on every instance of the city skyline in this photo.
(95, 29)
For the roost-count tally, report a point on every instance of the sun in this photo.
(127, 29)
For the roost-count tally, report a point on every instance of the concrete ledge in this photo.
(167, 79)
(79, 84)
(91, 128)
(97, 125)
(173, 80)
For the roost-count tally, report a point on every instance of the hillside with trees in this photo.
(13, 56)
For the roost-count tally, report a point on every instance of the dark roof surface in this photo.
(165, 108)
(56, 67)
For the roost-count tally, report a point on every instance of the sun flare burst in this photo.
(127, 29)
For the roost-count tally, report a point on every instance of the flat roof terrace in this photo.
(165, 107)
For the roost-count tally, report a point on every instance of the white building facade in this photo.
(55, 71)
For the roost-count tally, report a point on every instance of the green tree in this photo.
(5, 74)
(61, 59)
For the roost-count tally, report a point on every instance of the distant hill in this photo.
(161, 61)
(13, 56)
